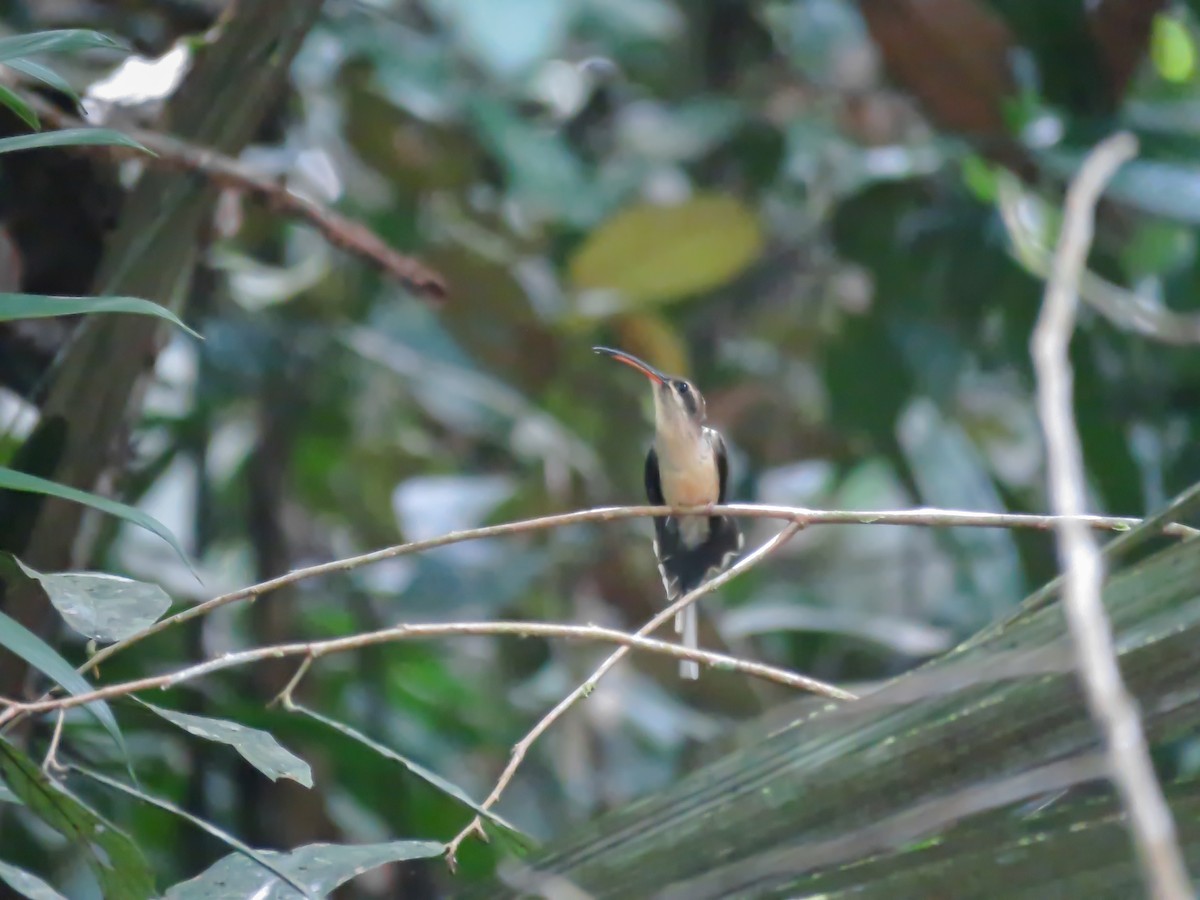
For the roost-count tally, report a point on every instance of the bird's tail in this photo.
(686, 623)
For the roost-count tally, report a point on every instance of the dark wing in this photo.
(718, 444)
(723, 544)
(667, 546)
(725, 539)
(653, 485)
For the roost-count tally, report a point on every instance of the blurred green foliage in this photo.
(736, 191)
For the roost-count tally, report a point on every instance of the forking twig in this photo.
(51, 760)
(342, 232)
(313, 650)
(923, 517)
(1152, 827)
(522, 746)
(919, 517)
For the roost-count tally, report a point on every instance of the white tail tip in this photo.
(687, 623)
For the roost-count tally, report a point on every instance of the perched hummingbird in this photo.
(686, 466)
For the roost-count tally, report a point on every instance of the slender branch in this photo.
(51, 760)
(226, 172)
(284, 697)
(585, 689)
(920, 517)
(924, 516)
(1153, 829)
(313, 650)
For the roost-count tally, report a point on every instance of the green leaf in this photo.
(105, 608)
(322, 867)
(42, 306)
(45, 75)
(260, 863)
(114, 859)
(1179, 509)
(654, 254)
(19, 481)
(69, 137)
(18, 106)
(31, 648)
(6, 794)
(68, 40)
(27, 884)
(259, 748)
(432, 778)
(981, 731)
(1172, 49)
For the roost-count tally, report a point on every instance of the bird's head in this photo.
(678, 406)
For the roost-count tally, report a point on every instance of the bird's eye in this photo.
(683, 387)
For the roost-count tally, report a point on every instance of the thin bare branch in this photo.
(920, 517)
(226, 172)
(1152, 827)
(51, 761)
(924, 517)
(522, 746)
(313, 650)
(284, 697)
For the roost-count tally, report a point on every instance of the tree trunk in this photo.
(95, 390)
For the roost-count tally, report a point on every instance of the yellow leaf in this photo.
(1172, 49)
(653, 254)
(650, 337)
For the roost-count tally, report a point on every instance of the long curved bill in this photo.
(644, 367)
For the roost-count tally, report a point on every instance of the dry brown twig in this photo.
(925, 517)
(522, 746)
(918, 517)
(797, 517)
(284, 697)
(1152, 827)
(226, 172)
(314, 650)
(51, 760)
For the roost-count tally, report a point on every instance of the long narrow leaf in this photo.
(69, 137)
(810, 795)
(40, 306)
(1076, 847)
(446, 787)
(66, 40)
(45, 75)
(27, 884)
(31, 648)
(1178, 509)
(20, 481)
(18, 106)
(6, 794)
(202, 824)
(113, 857)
